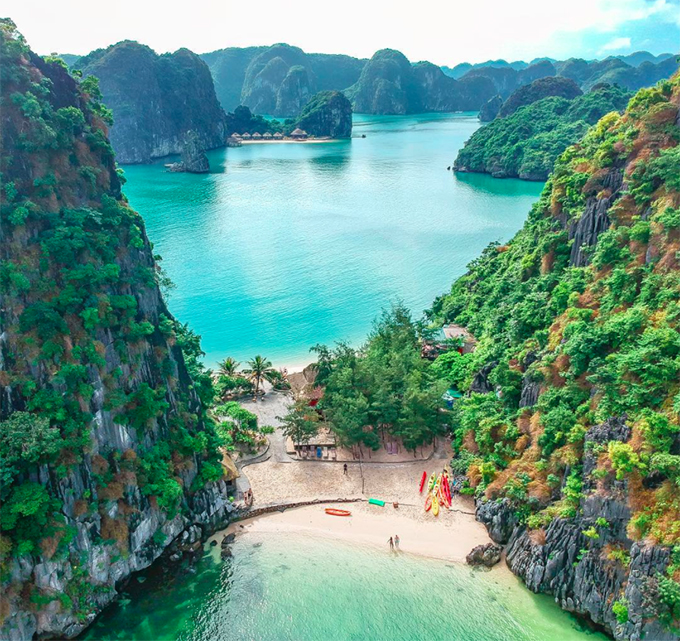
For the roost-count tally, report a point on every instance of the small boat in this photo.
(379, 502)
(335, 512)
(422, 481)
(435, 506)
(432, 480)
(428, 502)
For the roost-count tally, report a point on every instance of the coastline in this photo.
(294, 142)
(448, 537)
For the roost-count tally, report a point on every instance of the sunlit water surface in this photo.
(286, 587)
(283, 246)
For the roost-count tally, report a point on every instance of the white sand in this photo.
(449, 537)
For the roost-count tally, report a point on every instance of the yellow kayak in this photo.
(431, 483)
(435, 506)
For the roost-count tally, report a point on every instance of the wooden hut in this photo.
(298, 134)
(257, 136)
(278, 136)
(245, 136)
(266, 136)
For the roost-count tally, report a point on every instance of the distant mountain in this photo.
(390, 84)
(277, 80)
(506, 79)
(68, 58)
(537, 90)
(155, 100)
(616, 71)
(461, 69)
(637, 58)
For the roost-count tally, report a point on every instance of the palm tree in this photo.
(228, 367)
(259, 368)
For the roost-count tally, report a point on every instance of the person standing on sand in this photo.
(396, 541)
(391, 542)
(344, 469)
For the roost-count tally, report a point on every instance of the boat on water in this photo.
(336, 512)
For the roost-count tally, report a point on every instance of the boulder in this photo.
(486, 555)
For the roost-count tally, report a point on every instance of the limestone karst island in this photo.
(353, 322)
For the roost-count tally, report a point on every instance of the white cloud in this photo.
(443, 31)
(617, 44)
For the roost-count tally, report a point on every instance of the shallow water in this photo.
(280, 587)
(283, 246)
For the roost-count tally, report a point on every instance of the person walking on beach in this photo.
(396, 541)
(391, 542)
(344, 469)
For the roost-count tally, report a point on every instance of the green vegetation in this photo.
(386, 387)
(86, 331)
(527, 143)
(242, 121)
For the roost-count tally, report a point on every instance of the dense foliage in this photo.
(537, 90)
(383, 388)
(596, 342)
(527, 143)
(89, 350)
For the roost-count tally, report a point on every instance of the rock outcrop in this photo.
(485, 555)
(194, 160)
(328, 113)
(107, 455)
(155, 100)
(490, 108)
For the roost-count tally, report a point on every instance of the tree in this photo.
(228, 367)
(25, 438)
(301, 423)
(259, 369)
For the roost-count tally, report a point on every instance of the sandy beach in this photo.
(280, 479)
(448, 537)
(289, 141)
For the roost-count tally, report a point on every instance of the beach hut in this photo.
(278, 135)
(233, 141)
(245, 136)
(257, 136)
(266, 135)
(298, 134)
(237, 135)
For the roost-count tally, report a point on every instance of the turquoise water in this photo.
(284, 246)
(285, 587)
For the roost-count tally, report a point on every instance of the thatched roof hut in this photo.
(257, 136)
(278, 135)
(266, 135)
(298, 134)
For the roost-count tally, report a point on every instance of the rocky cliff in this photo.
(537, 90)
(155, 100)
(106, 453)
(571, 441)
(328, 113)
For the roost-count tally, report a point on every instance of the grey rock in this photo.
(487, 555)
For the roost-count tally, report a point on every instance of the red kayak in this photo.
(335, 512)
(428, 502)
(422, 481)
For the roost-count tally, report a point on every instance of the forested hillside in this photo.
(572, 440)
(106, 452)
(526, 142)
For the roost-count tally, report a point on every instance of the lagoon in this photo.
(284, 246)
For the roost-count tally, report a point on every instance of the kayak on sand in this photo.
(422, 481)
(335, 512)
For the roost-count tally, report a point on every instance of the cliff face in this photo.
(328, 113)
(155, 100)
(572, 445)
(106, 453)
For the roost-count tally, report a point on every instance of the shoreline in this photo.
(448, 537)
(295, 142)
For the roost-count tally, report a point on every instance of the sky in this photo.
(445, 32)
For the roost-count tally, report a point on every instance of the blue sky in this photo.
(443, 31)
